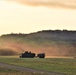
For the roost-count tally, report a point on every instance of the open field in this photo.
(69, 57)
(11, 71)
(58, 65)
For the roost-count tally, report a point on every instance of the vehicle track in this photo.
(24, 69)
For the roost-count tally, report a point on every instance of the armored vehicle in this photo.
(27, 54)
(41, 55)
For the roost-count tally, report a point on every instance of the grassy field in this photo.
(6, 71)
(59, 65)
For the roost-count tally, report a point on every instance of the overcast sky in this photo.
(26, 16)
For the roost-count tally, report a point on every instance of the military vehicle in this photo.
(27, 54)
(41, 55)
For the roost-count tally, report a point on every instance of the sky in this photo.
(26, 16)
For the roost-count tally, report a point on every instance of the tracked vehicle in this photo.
(27, 54)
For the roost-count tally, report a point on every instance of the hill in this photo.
(51, 42)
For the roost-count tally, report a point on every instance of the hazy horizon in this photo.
(27, 16)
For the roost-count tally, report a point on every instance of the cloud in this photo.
(49, 3)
